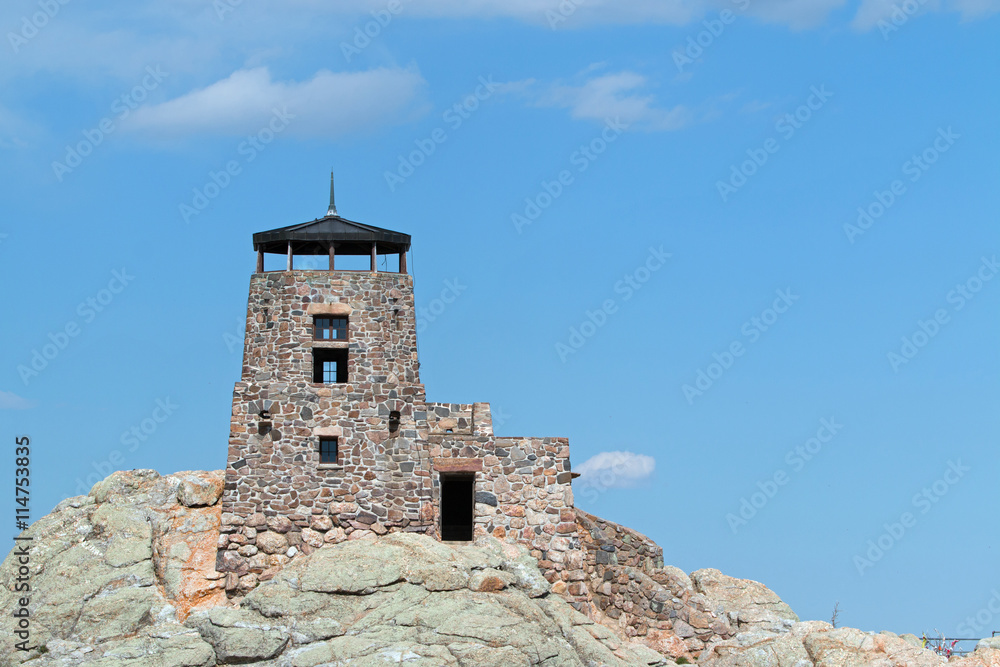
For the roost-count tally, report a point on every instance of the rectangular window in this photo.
(329, 372)
(328, 450)
(330, 328)
(329, 366)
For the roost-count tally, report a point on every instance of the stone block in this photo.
(272, 543)
(321, 523)
(486, 498)
(279, 524)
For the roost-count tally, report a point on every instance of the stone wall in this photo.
(280, 500)
(382, 336)
(628, 586)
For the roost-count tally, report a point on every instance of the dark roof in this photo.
(349, 237)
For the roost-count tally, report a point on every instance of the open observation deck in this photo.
(331, 235)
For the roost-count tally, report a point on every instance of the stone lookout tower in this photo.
(332, 435)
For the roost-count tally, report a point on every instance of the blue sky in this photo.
(747, 246)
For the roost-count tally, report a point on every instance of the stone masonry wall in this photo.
(280, 501)
(523, 491)
(382, 335)
(627, 582)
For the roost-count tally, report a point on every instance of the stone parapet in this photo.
(628, 587)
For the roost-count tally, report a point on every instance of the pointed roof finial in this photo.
(333, 204)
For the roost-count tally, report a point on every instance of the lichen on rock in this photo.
(125, 577)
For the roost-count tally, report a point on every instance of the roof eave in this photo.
(276, 240)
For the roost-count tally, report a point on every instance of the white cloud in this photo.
(755, 106)
(974, 9)
(614, 96)
(795, 13)
(9, 401)
(120, 51)
(587, 12)
(189, 39)
(610, 470)
(328, 105)
(871, 12)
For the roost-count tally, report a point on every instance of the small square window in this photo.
(329, 366)
(328, 450)
(330, 328)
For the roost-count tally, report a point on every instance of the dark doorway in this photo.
(458, 506)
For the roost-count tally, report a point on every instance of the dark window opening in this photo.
(393, 421)
(330, 328)
(264, 425)
(457, 507)
(329, 366)
(328, 450)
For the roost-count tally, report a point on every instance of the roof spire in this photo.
(333, 204)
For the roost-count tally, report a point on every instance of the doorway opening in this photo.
(458, 506)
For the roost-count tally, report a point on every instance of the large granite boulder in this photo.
(125, 577)
(106, 567)
(818, 644)
(749, 604)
